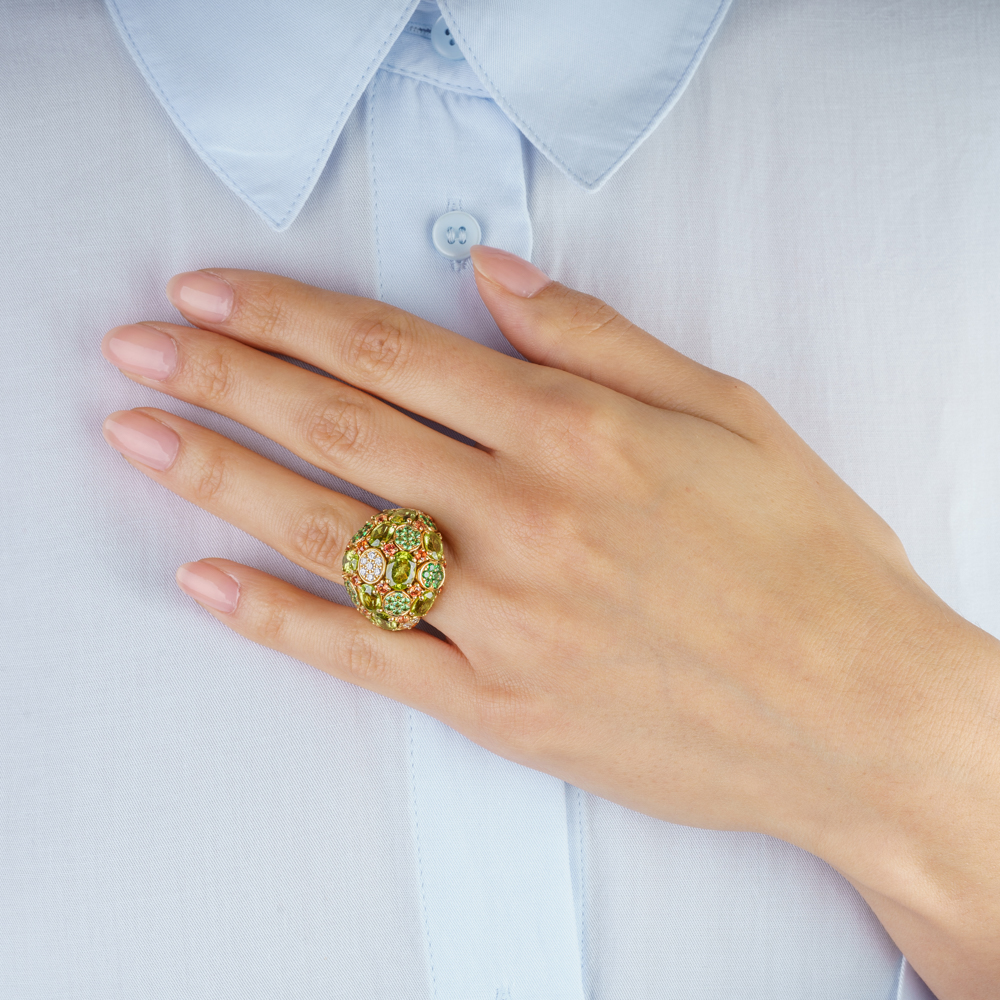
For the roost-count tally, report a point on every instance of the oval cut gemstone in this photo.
(433, 543)
(350, 564)
(424, 602)
(380, 532)
(401, 571)
(370, 597)
(396, 604)
(378, 618)
(370, 565)
(353, 595)
(406, 537)
(431, 575)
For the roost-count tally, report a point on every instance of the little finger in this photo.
(412, 667)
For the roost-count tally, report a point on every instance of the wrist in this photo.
(920, 839)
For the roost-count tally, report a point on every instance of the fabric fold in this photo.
(585, 86)
(262, 100)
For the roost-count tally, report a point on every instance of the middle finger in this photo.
(332, 425)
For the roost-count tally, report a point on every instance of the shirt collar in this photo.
(261, 89)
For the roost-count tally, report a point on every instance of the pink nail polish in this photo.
(209, 585)
(201, 296)
(508, 271)
(142, 438)
(141, 350)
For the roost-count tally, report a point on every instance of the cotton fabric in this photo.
(189, 814)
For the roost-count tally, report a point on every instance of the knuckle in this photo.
(499, 715)
(378, 344)
(573, 425)
(518, 717)
(360, 658)
(590, 315)
(745, 395)
(531, 522)
(337, 428)
(752, 410)
(209, 477)
(211, 376)
(319, 538)
(263, 310)
(274, 620)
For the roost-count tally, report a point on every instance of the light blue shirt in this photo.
(262, 91)
(262, 94)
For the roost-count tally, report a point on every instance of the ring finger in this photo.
(305, 522)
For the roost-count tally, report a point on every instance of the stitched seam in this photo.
(420, 863)
(443, 84)
(583, 892)
(901, 980)
(536, 139)
(375, 203)
(189, 135)
(348, 105)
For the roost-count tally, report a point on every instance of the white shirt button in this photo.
(444, 41)
(454, 235)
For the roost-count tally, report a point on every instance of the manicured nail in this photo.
(209, 585)
(201, 296)
(513, 273)
(141, 350)
(142, 438)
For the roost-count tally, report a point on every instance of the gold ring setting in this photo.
(394, 568)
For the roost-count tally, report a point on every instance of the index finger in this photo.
(386, 351)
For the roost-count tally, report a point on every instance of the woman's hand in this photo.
(656, 590)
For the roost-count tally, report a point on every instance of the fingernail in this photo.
(209, 585)
(142, 438)
(202, 296)
(141, 350)
(513, 273)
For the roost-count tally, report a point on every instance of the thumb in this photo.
(559, 327)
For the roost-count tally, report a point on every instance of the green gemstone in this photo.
(379, 533)
(396, 517)
(433, 544)
(370, 597)
(432, 575)
(362, 531)
(378, 618)
(350, 564)
(423, 603)
(353, 595)
(406, 537)
(401, 571)
(396, 604)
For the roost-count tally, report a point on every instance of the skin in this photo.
(715, 630)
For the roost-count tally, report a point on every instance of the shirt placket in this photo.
(491, 838)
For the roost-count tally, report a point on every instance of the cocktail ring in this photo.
(394, 568)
